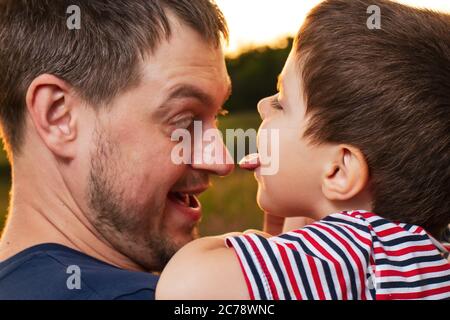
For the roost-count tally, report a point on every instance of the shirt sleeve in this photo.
(322, 261)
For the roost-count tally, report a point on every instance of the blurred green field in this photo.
(228, 206)
(3, 161)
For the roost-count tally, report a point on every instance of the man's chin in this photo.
(162, 240)
(180, 239)
(168, 244)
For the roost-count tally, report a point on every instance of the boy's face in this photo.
(296, 188)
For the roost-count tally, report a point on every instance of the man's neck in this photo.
(43, 211)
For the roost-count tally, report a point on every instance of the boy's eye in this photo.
(275, 103)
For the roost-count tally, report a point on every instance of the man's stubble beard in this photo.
(136, 232)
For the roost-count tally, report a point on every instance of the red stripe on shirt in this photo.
(413, 295)
(354, 256)
(365, 215)
(366, 241)
(264, 267)
(403, 251)
(289, 271)
(390, 231)
(247, 280)
(316, 278)
(414, 272)
(340, 274)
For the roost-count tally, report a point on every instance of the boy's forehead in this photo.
(289, 76)
(280, 82)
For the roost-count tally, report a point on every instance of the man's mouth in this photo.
(185, 199)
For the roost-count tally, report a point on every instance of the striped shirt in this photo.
(347, 255)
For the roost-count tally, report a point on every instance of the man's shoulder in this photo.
(52, 271)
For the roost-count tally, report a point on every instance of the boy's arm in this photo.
(203, 269)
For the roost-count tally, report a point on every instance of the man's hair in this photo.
(387, 92)
(100, 60)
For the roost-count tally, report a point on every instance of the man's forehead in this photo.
(187, 48)
(172, 62)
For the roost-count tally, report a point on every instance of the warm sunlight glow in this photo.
(256, 22)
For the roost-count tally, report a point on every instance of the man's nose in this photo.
(213, 156)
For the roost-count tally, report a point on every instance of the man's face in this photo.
(139, 200)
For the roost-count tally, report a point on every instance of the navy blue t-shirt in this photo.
(47, 271)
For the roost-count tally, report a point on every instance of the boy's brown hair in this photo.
(387, 92)
(99, 60)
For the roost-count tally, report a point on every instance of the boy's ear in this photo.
(50, 105)
(346, 175)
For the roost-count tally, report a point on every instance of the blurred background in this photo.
(261, 33)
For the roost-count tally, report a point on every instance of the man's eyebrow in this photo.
(189, 91)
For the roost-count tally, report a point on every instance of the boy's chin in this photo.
(277, 208)
(264, 202)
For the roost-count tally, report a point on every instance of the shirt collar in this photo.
(444, 252)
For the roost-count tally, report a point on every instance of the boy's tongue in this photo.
(250, 162)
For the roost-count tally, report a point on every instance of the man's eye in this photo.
(275, 103)
(184, 123)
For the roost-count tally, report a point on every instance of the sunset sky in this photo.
(255, 22)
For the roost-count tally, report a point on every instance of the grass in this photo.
(228, 206)
(3, 160)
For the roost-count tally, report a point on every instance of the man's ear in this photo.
(50, 104)
(346, 175)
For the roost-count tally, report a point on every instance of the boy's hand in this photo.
(258, 232)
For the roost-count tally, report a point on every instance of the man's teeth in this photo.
(184, 197)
